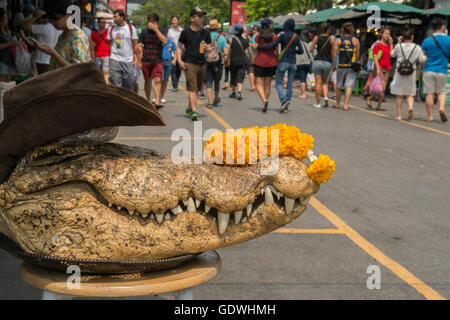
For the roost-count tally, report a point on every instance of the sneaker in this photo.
(163, 101)
(209, 106)
(216, 102)
(233, 95)
(284, 107)
(194, 116)
(175, 89)
(159, 106)
(325, 105)
(153, 100)
(333, 98)
(189, 111)
(266, 106)
(202, 95)
(317, 105)
(239, 96)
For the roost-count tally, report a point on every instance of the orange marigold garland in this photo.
(291, 142)
(322, 169)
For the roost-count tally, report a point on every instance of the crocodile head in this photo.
(125, 203)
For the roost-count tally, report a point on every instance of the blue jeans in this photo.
(291, 68)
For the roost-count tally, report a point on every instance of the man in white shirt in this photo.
(46, 34)
(124, 44)
(174, 34)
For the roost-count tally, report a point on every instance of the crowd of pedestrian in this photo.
(205, 55)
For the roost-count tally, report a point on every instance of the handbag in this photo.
(376, 87)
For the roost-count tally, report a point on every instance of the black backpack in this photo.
(406, 68)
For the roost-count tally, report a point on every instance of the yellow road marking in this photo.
(309, 231)
(388, 117)
(211, 113)
(369, 248)
(392, 265)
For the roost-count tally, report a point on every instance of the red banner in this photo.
(118, 5)
(238, 14)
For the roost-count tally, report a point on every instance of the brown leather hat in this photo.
(63, 102)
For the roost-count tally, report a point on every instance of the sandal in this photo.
(380, 109)
(410, 115)
(443, 116)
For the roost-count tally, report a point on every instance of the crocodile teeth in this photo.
(207, 208)
(119, 208)
(249, 209)
(159, 217)
(305, 202)
(191, 205)
(185, 202)
(197, 203)
(268, 196)
(152, 216)
(131, 212)
(223, 222)
(177, 210)
(167, 216)
(289, 205)
(280, 195)
(110, 204)
(144, 215)
(237, 216)
(244, 220)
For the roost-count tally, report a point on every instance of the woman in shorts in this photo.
(324, 62)
(265, 62)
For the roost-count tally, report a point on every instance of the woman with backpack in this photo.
(239, 46)
(265, 62)
(214, 63)
(408, 54)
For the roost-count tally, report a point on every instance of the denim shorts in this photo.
(6, 69)
(321, 68)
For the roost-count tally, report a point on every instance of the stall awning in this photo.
(348, 15)
(323, 15)
(391, 7)
(438, 11)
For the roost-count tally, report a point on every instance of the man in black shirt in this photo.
(197, 41)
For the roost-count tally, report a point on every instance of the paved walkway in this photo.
(386, 208)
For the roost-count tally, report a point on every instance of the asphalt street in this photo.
(386, 207)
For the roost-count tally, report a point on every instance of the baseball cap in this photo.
(266, 22)
(238, 28)
(197, 12)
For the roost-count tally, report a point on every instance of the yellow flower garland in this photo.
(291, 142)
(322, 169)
